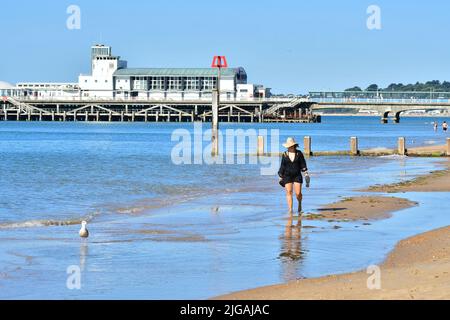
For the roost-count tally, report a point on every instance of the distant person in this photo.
(436, 125)
(445, 126)
(293, 165)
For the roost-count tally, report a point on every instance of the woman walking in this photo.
(293, 165)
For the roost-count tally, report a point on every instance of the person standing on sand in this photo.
(445, 126)
(293, 165)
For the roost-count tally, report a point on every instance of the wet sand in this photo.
(418, 268)
(442, 149)
(361, 208)
(437, 181)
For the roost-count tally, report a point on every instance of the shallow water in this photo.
(157, 227)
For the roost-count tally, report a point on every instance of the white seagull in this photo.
(84, 233)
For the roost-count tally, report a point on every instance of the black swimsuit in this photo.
(291, 171)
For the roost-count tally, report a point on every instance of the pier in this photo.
(145, 110)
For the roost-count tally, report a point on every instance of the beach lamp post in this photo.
(219, 62)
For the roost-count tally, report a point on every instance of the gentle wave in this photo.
(46, 223)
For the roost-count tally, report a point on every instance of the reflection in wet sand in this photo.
(291, 248)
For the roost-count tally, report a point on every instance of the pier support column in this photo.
(133, 116)
(40, 116)
(146, 116)
(354, 146)
(29, 116)
(385, 117)
(260, 150)
(448, 147)
(18, 115)
(53, 115)
(121, 116)
(64, 115)
(75, 116)
(308, 143)
(402, 146)
(110, 117)
(87, 116)
(260, 113)
(157, 116)
(180, 117)
(97, 117)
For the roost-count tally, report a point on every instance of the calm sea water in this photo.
(157, 227)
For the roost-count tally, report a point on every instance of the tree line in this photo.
(435, 85)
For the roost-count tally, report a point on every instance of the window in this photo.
(192, 83)
(209, 83)
(157, 83)
(140, 83)
(175, 83)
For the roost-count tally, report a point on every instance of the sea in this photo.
(168, 221)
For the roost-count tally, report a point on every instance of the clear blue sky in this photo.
(290, 45)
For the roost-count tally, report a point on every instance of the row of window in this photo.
(174, 83)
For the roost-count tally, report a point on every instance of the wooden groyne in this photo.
(354, 151)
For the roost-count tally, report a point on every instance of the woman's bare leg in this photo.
(299, 195)
(289, 194)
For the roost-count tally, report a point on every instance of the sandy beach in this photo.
(361, 209)
(418, 268)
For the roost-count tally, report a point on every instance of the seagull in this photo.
(84, 233)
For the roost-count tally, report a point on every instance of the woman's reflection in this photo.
(291, 247)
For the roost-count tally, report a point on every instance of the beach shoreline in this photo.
(418, 267)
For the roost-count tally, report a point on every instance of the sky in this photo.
(291, 46)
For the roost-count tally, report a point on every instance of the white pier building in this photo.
(111, 78)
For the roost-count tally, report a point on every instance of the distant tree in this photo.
(434, 85)
(354, 89)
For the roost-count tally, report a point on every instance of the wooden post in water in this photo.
(448, 147)
(402, 146)
(354, 146)
(260, 151)
(307, 142)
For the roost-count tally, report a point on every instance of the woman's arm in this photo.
(282, 167)
(302, 160)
